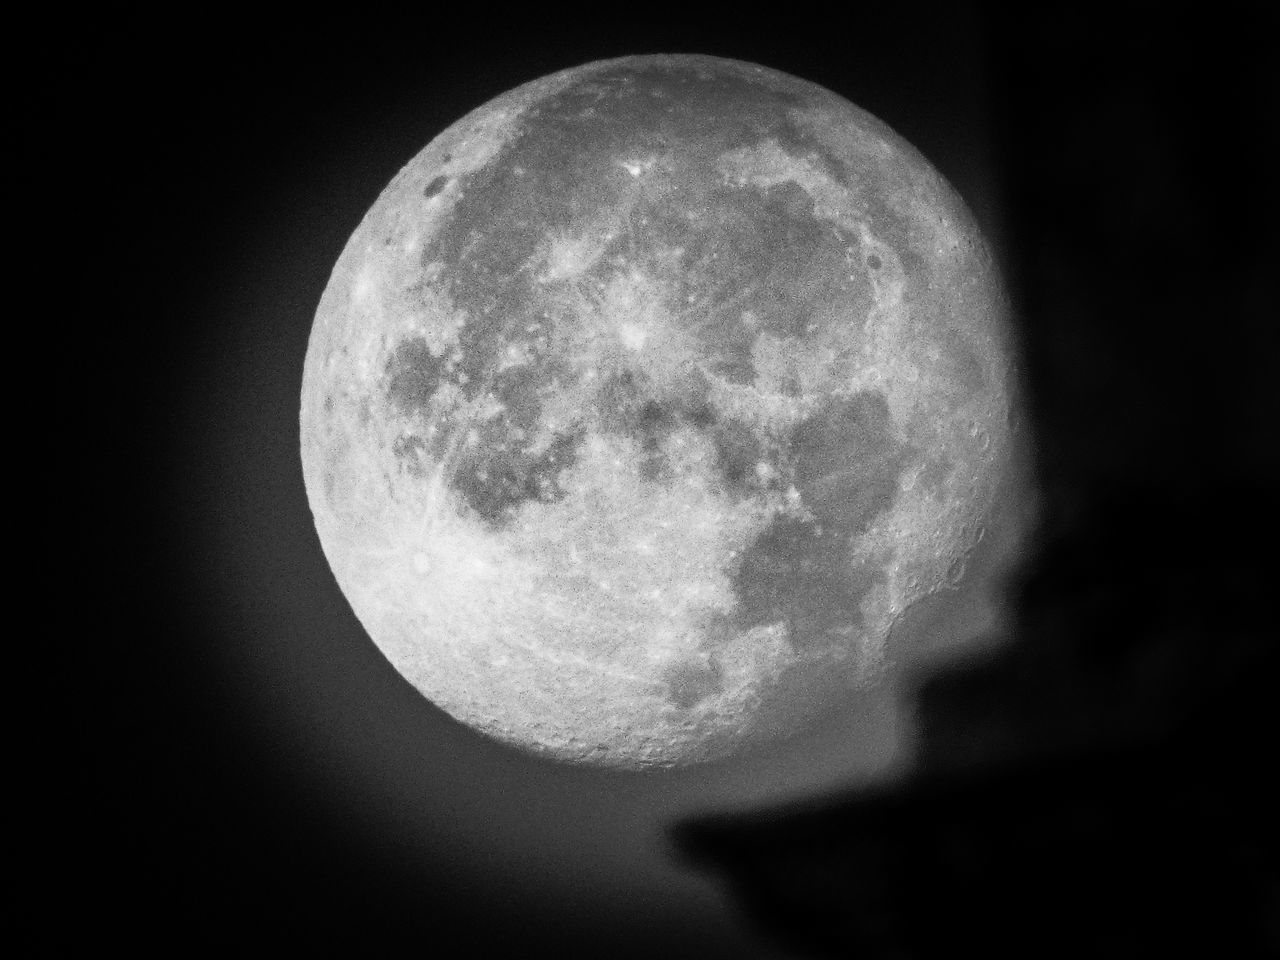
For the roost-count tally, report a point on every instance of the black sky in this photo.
(235, 764)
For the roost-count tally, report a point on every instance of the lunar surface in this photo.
(646, 399)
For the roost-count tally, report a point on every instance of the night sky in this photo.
(237, 766)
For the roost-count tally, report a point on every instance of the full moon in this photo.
(645, 401)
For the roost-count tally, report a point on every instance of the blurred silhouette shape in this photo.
(1102, 783)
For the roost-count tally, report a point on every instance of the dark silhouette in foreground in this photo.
(1100, 785)
(1103, 784)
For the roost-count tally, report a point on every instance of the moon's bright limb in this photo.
(645, 400)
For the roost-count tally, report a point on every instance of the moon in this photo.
(645, 401)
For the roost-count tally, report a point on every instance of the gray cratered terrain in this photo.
(646, 399)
